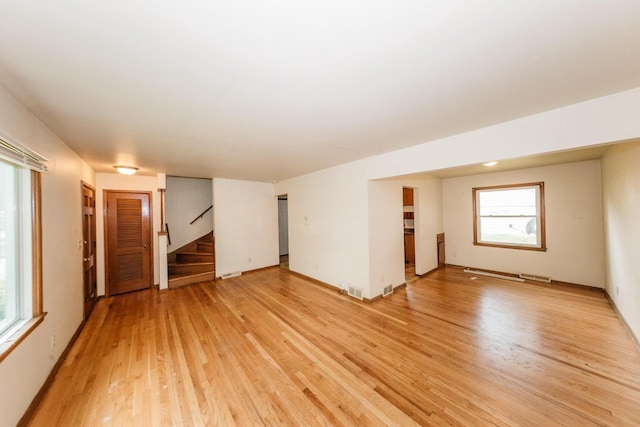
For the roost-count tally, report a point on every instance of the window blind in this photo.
(20, 155)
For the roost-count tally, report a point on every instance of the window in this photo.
(509, 216)
(20, 248)
(11, 179)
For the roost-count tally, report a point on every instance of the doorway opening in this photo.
(409, 197)
(189, 220)
(440, 243)
(283, 230)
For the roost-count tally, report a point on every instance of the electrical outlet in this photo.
(249, 259)
(53, 341)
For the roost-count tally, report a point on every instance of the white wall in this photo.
(386, 236)
(116, 181)
(573, 218)
(185, 199)
(24, 370)
(621, 201)
(328, 225)
(246, 224)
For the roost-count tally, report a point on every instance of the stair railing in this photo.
(201, 215)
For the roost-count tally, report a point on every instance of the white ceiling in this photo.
(266, 90)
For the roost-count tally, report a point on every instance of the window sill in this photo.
(524, 248)
(18, 336)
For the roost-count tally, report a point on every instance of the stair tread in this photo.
(191, 263)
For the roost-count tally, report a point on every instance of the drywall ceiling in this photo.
(266, 90)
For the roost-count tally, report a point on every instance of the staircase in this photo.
(192, 263)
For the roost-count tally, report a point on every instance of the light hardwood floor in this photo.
(271, 348)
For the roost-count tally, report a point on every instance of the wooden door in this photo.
(128, 230)
(407, 196)
(440, 243)
(89, 282)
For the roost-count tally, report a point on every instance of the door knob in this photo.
(144, 246)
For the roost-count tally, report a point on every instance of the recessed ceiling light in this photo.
(489, 164)
(126, 170)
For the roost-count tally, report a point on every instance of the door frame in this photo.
(105, 227)
(413, 215)
(83, 185)
(284, 197)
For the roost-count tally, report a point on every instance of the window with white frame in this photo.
(15, 245)
(510, 216)
(20, 244)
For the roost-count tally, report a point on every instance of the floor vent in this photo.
(232, 274)
(535, 277)
(355, 292)
(388, 290)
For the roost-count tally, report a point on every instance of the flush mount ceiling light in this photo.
(126, 170)
(489, 164)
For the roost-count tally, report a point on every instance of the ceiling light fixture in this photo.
(489, 164)
(126, 170)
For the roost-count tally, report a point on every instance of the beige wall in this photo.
(246, 224)
(574, 235)
(621, 200)
(24, 371)
(329, 225)
(386, 236)
(115, 181)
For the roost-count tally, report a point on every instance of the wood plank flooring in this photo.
(271, 348)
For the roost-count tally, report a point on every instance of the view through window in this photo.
(510, 216)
